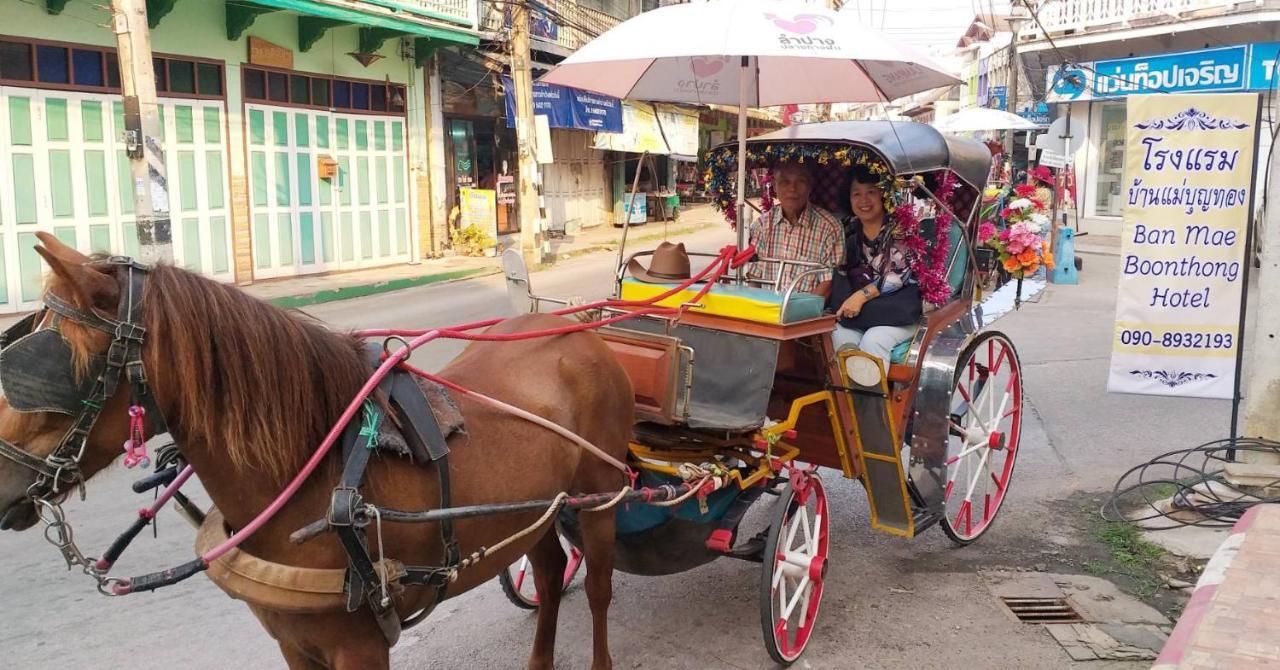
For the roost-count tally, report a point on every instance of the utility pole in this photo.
(527, 204)
(1011, 89)
(150, 185)
(1262, 392)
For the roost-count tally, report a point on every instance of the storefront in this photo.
(666, 136)
(575, 182)
(294, 140)
(1093, 95)
(480, 148)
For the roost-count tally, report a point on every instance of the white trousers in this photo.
(878, 341)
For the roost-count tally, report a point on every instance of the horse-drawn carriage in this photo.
(743, 386)
(736, 392)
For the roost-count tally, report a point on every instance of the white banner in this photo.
(1188, 175)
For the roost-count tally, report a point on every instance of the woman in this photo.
(879, 302)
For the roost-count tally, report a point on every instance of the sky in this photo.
(932, 24)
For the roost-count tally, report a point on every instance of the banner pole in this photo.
(1244, 288)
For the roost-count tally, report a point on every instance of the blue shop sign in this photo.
(569, 107)
(1262, 65)
(995, 98)
(1227, 69)
(1037, 114)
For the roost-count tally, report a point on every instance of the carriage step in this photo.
(1042, 610)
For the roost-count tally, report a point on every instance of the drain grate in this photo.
(1042, 610)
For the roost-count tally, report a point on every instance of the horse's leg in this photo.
(364, 657)
(549, 563)
(297, 660)
(598, 541)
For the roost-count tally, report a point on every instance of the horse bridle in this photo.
(124, 358)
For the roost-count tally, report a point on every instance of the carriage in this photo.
(743, 387)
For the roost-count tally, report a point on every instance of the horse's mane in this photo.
(260, 383)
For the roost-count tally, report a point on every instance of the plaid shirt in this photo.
(817, 238)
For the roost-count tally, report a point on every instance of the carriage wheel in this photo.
(982, 443)
(795, 567)
(517, 579)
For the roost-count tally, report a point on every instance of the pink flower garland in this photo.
(928, 263)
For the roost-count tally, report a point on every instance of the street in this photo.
(889, 603)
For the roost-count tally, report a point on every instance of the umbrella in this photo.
(977, 119)
(748, 53)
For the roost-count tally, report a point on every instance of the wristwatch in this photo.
(866, 293)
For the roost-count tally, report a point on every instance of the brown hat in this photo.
(670, 264)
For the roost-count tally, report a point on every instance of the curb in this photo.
(1202, 597)
(362, 290)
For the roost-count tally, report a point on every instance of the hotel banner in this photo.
(1188, 178)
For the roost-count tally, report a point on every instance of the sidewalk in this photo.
(315, 289)
(1231, 620)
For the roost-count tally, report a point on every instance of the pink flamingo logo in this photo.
(802, 24)
(706, 66)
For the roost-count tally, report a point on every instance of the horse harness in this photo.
(38, 374)
(424, 441)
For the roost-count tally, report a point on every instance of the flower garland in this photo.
(1022, 250)
(721, 173)
(927, 261)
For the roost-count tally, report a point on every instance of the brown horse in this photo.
(250, 390)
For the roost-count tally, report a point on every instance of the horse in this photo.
(248, 390)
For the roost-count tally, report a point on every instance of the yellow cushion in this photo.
(740, 302)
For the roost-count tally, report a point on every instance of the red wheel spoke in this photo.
(946, 495)
(964, 393)
(999, 361)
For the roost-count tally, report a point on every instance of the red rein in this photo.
(729, 258)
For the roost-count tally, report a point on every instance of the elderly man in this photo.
(796, 230)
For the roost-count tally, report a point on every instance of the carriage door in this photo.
(303, 224)
(63, 170)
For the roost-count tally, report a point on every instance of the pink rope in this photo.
(729, 257)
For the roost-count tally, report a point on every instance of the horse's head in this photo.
(61, 419)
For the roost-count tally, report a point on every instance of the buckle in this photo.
(127, 330)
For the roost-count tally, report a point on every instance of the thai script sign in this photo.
(1236, 68)
(1188, 179)
(569, 107)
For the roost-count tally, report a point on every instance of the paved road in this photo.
(891, 603)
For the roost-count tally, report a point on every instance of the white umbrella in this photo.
(977, 119)
(748, 53)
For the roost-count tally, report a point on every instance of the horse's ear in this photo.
(88, 287)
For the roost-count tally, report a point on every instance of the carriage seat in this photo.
(739, 302)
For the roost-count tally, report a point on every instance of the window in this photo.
(162, 74)
(305, 90)
(182, 76)
(255, 84)
(113, 70)
(210, 79)
(51, 64)
(320, 92)
(98, 69)
(86, 66)
(277, 87)
(16, 62)
(1108, 199)
(299, 90)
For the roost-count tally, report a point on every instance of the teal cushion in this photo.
(899, 355)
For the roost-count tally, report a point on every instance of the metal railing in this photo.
(463, 13)
(564, 22)
(1073, 16)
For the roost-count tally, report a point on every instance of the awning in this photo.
(328, 11)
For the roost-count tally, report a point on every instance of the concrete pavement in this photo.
(890, 603)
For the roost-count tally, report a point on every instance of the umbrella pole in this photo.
(626, 221)
(743, 82)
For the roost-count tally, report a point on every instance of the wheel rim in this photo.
(520, 574)
(799, 562)
(982, 443)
